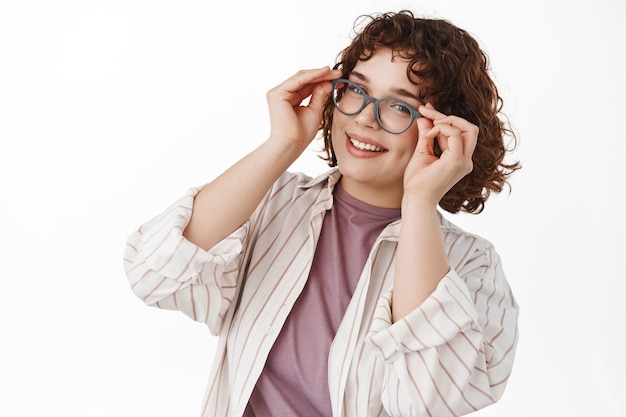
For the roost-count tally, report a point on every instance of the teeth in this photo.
(365, 146)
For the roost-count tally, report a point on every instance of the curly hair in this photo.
(452, 74)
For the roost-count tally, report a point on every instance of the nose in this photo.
(367, 116)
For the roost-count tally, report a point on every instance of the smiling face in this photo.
(371, 160)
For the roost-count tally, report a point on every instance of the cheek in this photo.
(409, 142)
(339, 119)
(337, 128)
(335, 134)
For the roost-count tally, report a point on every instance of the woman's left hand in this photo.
(428, 176)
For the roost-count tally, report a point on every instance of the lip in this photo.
(359, 153)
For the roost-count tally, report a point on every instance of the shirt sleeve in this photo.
(166, 270)
(453, 354)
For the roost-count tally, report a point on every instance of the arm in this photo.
(167, 271)
(454, 353)
(224, 204)
(421, 260)
(188, 258)
(451, 334)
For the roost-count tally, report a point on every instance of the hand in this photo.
(291, 122)
(431, 177)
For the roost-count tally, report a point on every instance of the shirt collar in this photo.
(331, 177)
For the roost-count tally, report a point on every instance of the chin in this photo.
(361, 175)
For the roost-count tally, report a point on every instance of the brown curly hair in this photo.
(453, 75)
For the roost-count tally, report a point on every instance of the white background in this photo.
(110, 110)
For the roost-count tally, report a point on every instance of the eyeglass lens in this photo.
(393, 115)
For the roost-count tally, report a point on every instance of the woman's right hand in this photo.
(229, 200)
(291, 122)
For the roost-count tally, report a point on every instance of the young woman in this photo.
(349, 294)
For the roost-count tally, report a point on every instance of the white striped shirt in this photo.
(449, 357)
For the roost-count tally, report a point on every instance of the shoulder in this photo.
(298, 183)
(306, 181)
(293, 194)
(451, 228)
(463, 246)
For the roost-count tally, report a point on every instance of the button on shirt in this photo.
(450, 356)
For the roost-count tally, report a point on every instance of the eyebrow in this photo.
(397, 90)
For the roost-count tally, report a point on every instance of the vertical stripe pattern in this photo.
(451, 356)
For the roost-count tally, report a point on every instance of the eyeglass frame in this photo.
(376, 101)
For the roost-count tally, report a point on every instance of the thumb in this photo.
(425, 136)
(319, 97)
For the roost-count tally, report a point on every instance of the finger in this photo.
(306, 77)
(458, 122)
(319, 97)
(425, 138)
(444, 134)
(469, 131)
(450, 139)
(440, 118)
(301, 85)
(429, 112)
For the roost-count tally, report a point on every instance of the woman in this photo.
(349, 294)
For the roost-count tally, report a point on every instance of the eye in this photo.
(354, 89)
(400, 106)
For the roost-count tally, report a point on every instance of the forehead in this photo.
(386, 69)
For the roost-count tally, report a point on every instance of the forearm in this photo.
(421, 259)
(228, 201)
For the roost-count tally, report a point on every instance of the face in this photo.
(371, 160)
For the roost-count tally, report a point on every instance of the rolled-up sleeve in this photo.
(454, 353)
(166, 270)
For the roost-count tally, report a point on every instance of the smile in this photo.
(365, 146)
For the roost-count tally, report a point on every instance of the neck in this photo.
(384, 197)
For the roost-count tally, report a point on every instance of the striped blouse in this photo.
(451, 356)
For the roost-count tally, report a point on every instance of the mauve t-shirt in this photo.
(294, 381)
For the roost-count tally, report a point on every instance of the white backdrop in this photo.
(111, 109)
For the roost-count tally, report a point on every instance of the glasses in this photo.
(393, 115)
